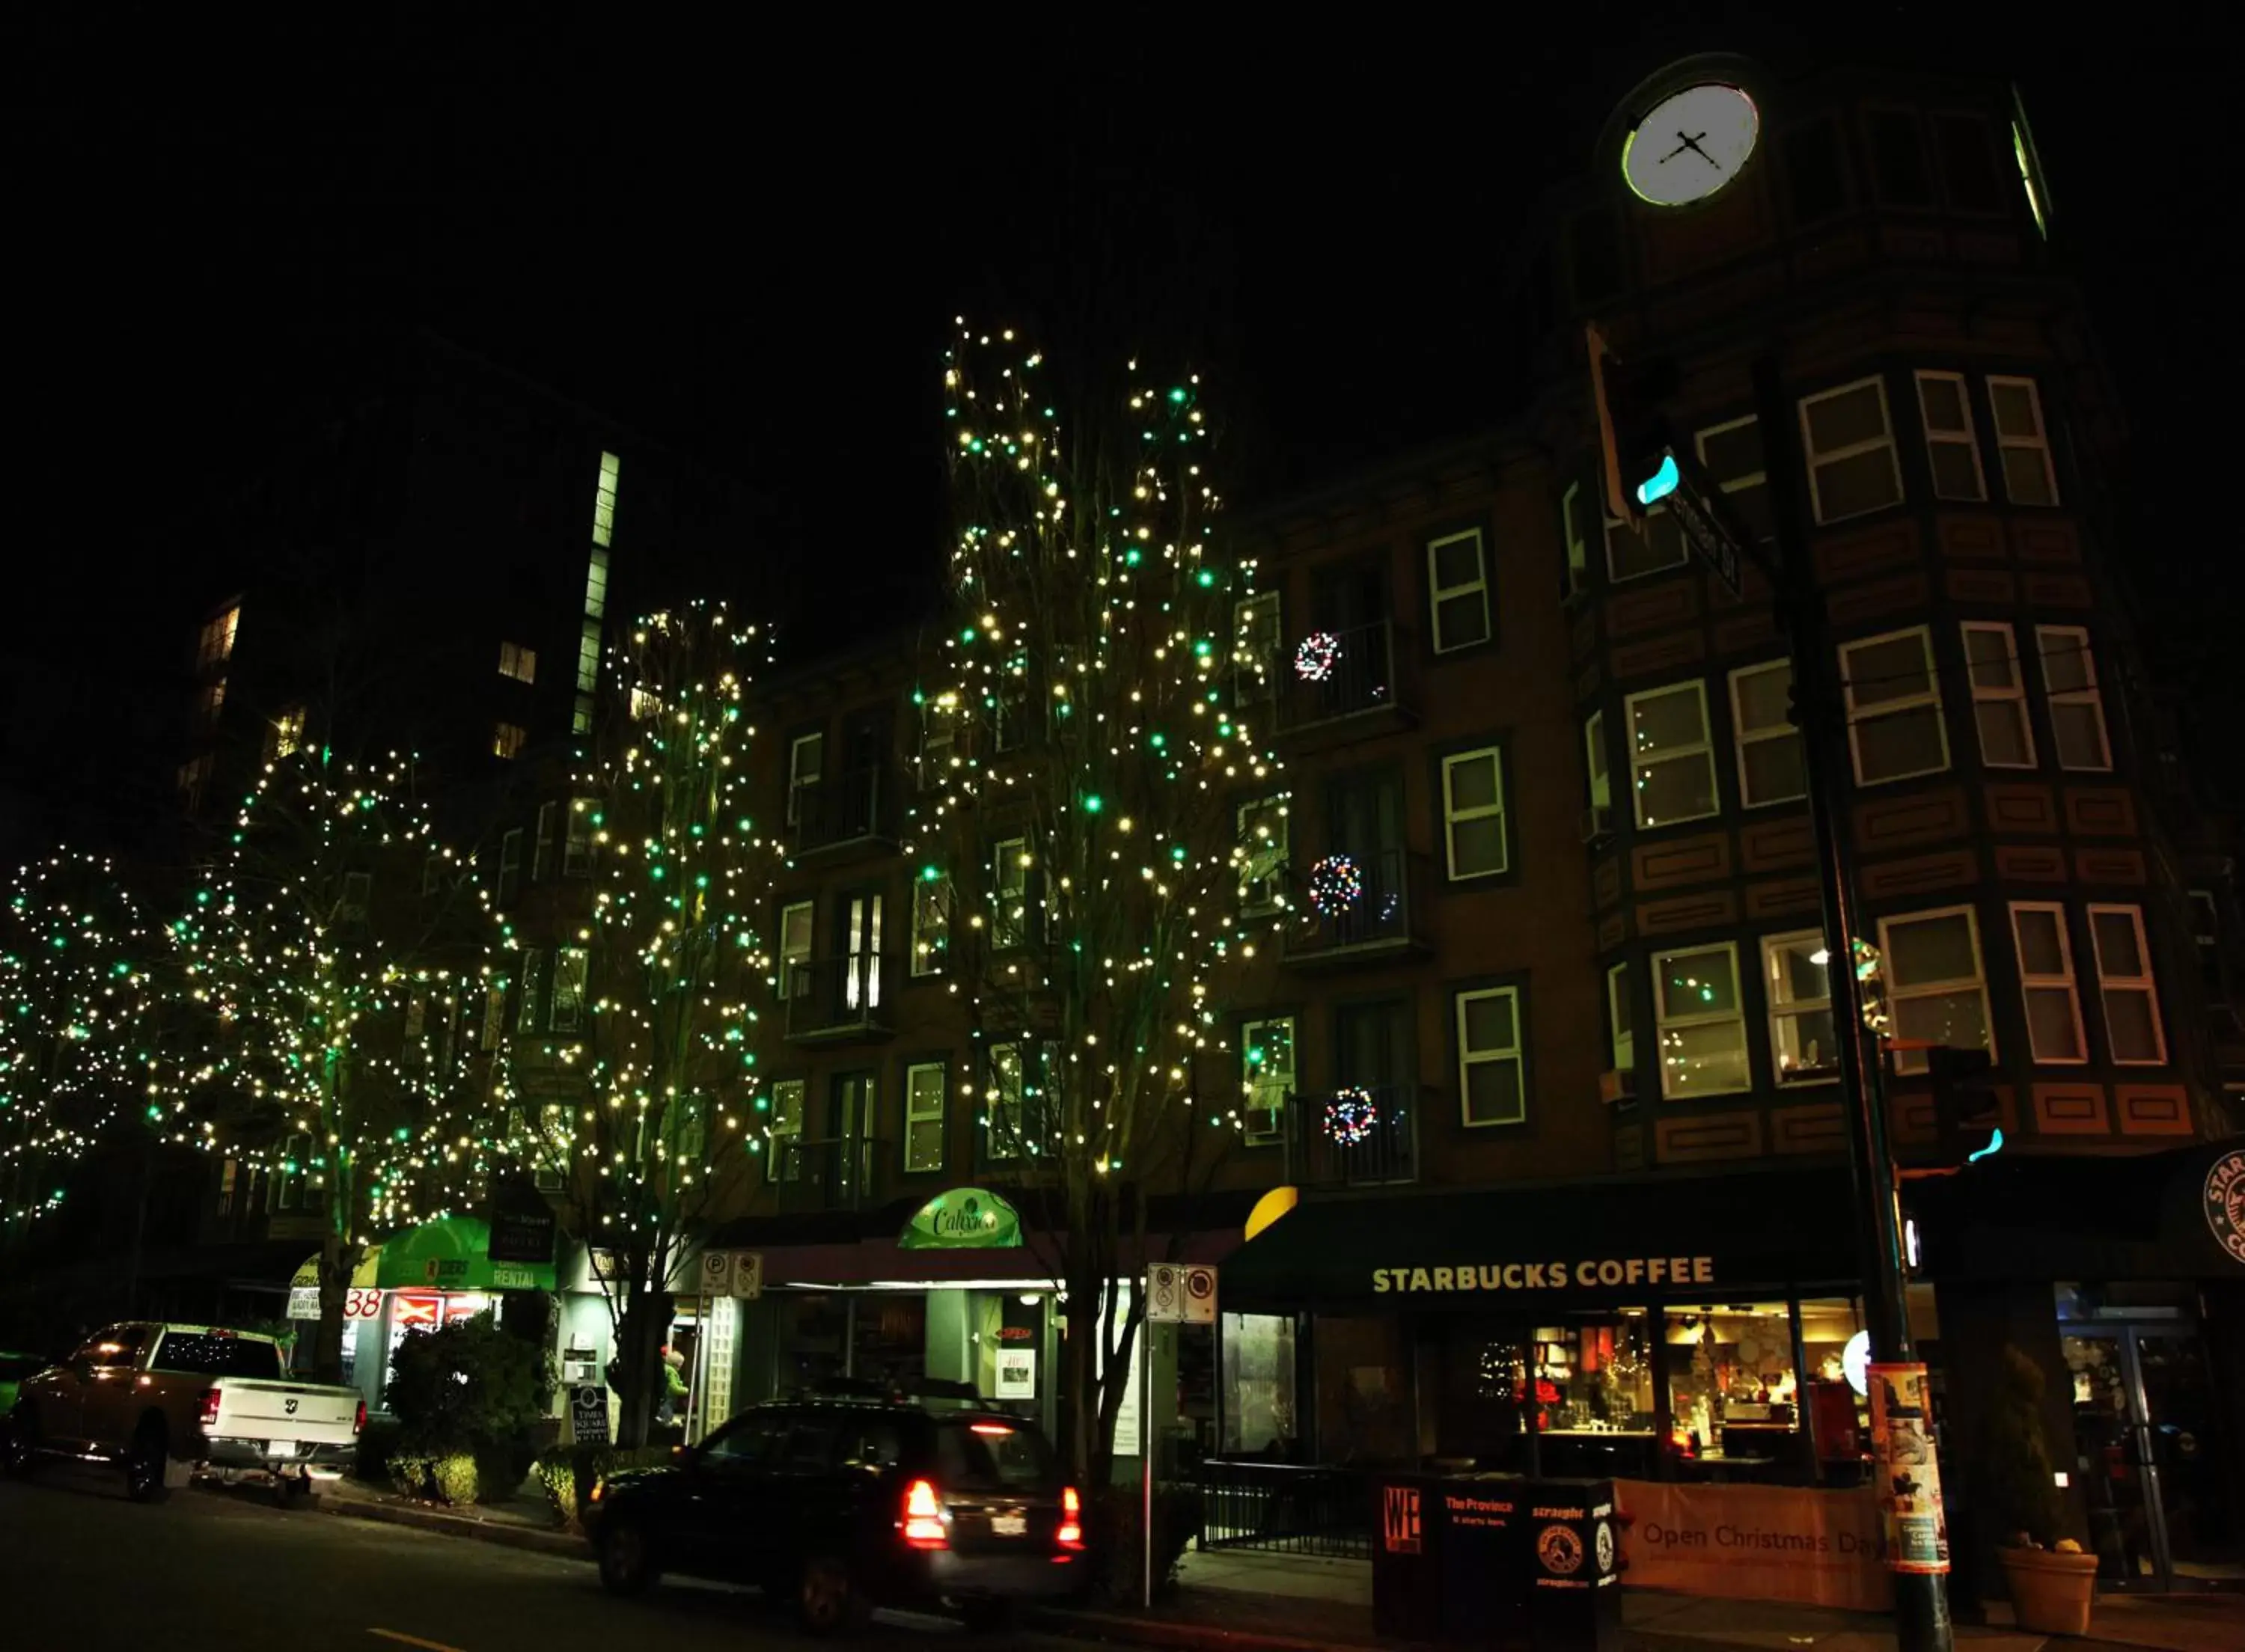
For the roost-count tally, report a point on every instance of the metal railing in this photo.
(1382, 917)
(834, 1174)
(857, 806)
(1329, 675)
(1285, 1509)
(840, 997)
(1357, 1136)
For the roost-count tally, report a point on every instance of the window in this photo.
(1698, 1024)
(924, 1083)
(1772, 768)
(2053, 1007)
(2070, 694)
(507, 739)
(210, 701)
(588, 663)
(1893, 706)
(1849, 439)
(1633, 552)
(1594, 749)
(572, 965)
(596, 590)
(1952, 450)
(510, 866)
(1999, 696)
(294, 1188)
(1570, 528)
(1803, 1043)
(517, 662)
(931, 924)
(2206, 932)
(604, 500)
(1009, 886)
(1255, 630)
(644, 704)
(1267, 1077)
(541, 858)
(1011, 730)
(285, 734)
(786, 1130)
(794, 949)
(1732, 454)
(2124, 980)
(1621, 1020)
(533, 982)
(1011, 1127)
(1935, 989)
(2022, 151)
(214, 646)
(193, 775)
(937, 735)
(1263, 850)
(1672, 763)
(1473, 834)
(2022, 443)
(1457, 590)
(1898, 158)
(577, 844)
(1967, 164)
(1492, 1078)
(806, 754)
(1059, 706)
(494, 1018)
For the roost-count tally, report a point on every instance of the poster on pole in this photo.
(1908, 1473)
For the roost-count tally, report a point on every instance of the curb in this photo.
(1167, 1632)
(561, 1544)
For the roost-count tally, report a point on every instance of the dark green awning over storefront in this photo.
(453, 1253)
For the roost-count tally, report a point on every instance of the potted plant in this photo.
(2052, 1582)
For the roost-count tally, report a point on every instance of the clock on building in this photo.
(1689, 143)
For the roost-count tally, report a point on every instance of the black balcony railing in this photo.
(1287, 1508)
(1332, 675)
(838, 1000)
(1384, 917)
(857, 807)
(833, 1175)
(1357, 1135)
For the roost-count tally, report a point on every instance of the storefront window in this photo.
(813, 1332)
(1472, 1391)
(1838, 1414)
(1259, 1418)
(889, 1337)
(1365, 1410)
(1734, 1392)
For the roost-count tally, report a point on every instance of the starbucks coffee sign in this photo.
(963, 1219)
(2223, 1204)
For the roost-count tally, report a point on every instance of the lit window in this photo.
(1571, 529)
(2022, 441)
(1492, 1076)
(541, 858)
(806, 754)
(572, 966)
(588, 658)
(795, 927)
(1850, 441)
(2124, 980)
(1803, 1045)
(1772, 768)
(577, 844)
(193, 775)
(938, 733)
(596, 585)
(1255, 628)
(1594, 748)
(930, 924)
(1731, 453)
(215, 644)
(494, 1017)
(1474, 833)
(604, 499)
(1936, 991)
(1999, 696)
(1893, 700)
(1266, 1061)
(1671, 762)
(1952, 450)
(507, 739)
(1698, 1023)
(1621, 1019)
(531, 987)
(644, 704)
(926, 1083)
(787, 1099)
(2070, 694)
(1263, 851)
(210, 701)
(2053, 1006)
(1457, 590)
(285, 734)
(517, 662)
(1013, 1125)
(1009, 886)
(510, 866)
(1633, 552)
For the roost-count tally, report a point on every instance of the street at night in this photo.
(222, 1570)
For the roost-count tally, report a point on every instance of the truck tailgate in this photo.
(309, 1412)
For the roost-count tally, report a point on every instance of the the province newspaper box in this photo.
(1497, 1561)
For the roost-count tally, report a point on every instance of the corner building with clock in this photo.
(1562, 1114)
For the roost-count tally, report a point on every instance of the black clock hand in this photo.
(1692, 144)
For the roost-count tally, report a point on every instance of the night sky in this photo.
(749, 247)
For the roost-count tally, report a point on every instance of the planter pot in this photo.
(2051, 1592)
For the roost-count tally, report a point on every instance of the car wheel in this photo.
(626, 1565)
(986, 1617)
(828, 1599)
(144, 1466)
(19, 1443)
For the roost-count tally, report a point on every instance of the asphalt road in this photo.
(217, 1571)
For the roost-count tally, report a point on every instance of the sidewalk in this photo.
(519, 1523)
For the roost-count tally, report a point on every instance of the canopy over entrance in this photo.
(453, 1253)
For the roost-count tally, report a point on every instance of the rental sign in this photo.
(1497, 1276)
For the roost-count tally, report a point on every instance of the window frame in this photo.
(2146, 984)
(567, 961)
(1598, 761)
(1466, 1057)
(1028, 1061)
(1792, 1009)
(1662, 1021)
(1856, 718)
(1621, 1019)
(1276, 1135)
(284, 732)
(2037, 443)
(2092, 694)
(1704, 749)
(815, 741)
(517, 662)
(940, 1117)
(1437, 593)
(1968, 438)
(1500, 811)
(1007, 855)
(510, 867)
(1642, 534)
(508, 739)
(778, 1131)
(2016, 694)
(1273, 898)
(576, 845)
(932, 761)
(1914, 1061)
(1246, 629)
(788, 981)
(1570, 532)
(1741, 737)
(1812, 460)
(541, 856)
(935, 895)
(528, 1001)
(2067, 980)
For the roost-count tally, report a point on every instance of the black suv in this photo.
(848, 1504)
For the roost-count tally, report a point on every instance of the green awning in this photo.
(453, 1253)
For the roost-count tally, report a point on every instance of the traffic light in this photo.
(1964, 1105)
(1633, 435)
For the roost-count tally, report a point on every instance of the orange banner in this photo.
(1755, 1543)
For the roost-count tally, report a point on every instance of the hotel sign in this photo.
(1496, 1278)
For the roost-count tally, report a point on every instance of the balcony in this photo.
(1357, 694)
(840, 817)
(834, 1174)
(1383, 1119)
(1385, 920)
(841, 1000)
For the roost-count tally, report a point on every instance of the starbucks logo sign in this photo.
(2224, 1204)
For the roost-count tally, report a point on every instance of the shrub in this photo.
(2015, 1466)
(471, 1389)
(564, 1469)
(409, 1472)
(454, 1478)
(379, 1441)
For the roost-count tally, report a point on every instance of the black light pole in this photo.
(1922, 1621)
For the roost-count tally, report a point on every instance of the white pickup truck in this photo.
(164, 1401)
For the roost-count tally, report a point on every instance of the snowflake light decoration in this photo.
(1350, 1115)
(1336, 885)
(1316, 656)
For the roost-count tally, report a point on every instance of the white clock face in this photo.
(1690, 145)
